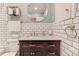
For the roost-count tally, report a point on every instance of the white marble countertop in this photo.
(39, 38)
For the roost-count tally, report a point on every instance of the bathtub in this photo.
(9, 54)
(2, 51)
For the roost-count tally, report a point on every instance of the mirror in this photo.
(41, 12)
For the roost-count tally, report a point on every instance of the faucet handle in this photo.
(50, 32)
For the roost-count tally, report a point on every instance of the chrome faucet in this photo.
(34, 34)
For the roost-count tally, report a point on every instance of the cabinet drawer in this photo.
(31, 43)
(40, 48)
(53, 43)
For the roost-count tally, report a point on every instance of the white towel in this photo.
(17, 11)
(10, 11)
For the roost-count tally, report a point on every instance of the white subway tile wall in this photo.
(7, 42)
(3, 26)
(69, 46)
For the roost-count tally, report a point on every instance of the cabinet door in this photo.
(53, 48)
(26, 51)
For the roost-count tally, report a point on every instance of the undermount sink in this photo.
(37, 38)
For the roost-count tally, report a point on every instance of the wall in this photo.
(69, 46)
(3, 26)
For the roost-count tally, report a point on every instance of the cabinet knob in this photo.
(52, 53)
(52, 45)
(32, 53)
(32, 45)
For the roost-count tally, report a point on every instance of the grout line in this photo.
(65, 38)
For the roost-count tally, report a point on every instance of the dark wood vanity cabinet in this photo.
(39, 48)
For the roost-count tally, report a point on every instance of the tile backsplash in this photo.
(37, 28)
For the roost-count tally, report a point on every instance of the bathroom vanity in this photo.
(39, 47)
